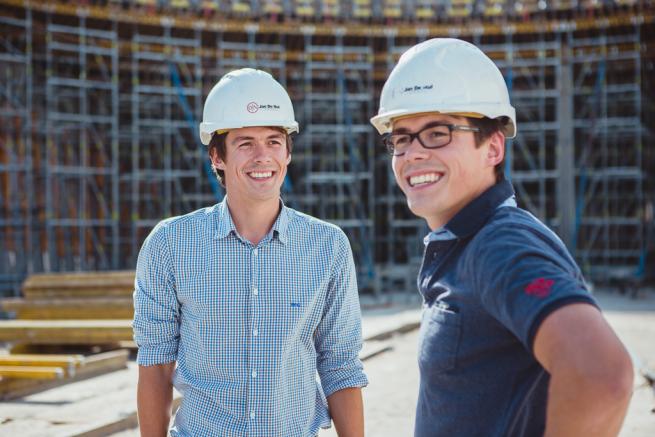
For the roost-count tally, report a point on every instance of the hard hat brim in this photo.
(383, 122)
(207, 130)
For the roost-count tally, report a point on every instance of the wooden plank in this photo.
(79, 292)
(72, 308)
(92, 365)
(67, 362)
(106, 360)
(31, 372)
(114, 283)
(65, 331)
(76, 279)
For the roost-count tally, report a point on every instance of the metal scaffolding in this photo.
(531, 67)
(117, 98)
(81, 155)
(607, 102)
(399, 233)
(168, 169)
(333, 170)
(17, 203)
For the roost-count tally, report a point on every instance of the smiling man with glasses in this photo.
(512, 343)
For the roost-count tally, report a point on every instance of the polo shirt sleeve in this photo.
(156, 310)
(523, 274)
(338, 338)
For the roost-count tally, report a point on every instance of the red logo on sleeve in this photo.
(540, 287)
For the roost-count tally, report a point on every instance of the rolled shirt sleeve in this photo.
(338, 338)
(156, 308)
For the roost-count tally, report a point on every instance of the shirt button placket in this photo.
(254, 298)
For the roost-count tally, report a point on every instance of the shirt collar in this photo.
(281, 225)
(474, 215)
(439, 234)
(225, 224)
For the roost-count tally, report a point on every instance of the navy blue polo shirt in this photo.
(486, 289)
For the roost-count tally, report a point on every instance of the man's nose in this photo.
(415, 150)
(262, 153)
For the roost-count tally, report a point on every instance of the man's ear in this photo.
(496, 149)
(288, 158)
(217, 162)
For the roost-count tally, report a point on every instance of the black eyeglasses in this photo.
(432, 136)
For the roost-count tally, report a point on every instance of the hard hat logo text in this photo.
(409, 89)
(253, 107)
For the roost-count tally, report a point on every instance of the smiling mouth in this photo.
(424, 179)
(260, 175)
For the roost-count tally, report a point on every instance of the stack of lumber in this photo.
(89, 308)
(78, 296)
(84, 312)
(23, 374)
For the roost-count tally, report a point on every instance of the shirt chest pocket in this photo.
(439, 340)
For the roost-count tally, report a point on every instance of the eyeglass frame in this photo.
(416, 135)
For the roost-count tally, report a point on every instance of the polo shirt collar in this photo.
(474, 215)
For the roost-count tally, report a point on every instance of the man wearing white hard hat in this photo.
(256, 303)
(511, 342)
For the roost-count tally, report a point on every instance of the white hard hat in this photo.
(449, 76)
(246, 98)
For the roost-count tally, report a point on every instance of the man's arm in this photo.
(338, 340)
(155, 399)
(347, 411)
(590, 370)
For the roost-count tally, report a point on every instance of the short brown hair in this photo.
(488, 127)
(218, 143)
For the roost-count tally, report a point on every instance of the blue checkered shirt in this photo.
(261, 334)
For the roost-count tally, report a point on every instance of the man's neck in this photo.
(254, 220)
(436, 222)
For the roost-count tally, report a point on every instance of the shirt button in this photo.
(254, 252)
(255, 291)
(255, 332)
(254, 374)
(252, 415)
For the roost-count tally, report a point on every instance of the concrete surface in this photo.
(391, 366)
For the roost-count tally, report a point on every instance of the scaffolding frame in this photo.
(534, 83)
(166, 173)
(17, 239)
(81, 153)
(334, 160)
(610, 229)
(399, 233)
(122, 98)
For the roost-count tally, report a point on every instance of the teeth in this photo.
(261, 175)
(424, 179)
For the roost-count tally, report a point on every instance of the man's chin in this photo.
(419, 210)
(264, 195)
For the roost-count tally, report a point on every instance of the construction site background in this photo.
(101, 101)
